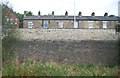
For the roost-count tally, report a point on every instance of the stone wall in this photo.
(84, 46)
(68, 34)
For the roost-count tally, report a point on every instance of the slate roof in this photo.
(90, 18)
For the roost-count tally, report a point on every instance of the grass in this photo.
(38, 68)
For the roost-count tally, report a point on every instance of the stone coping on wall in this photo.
(67, 34)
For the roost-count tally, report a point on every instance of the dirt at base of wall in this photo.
(76, 51)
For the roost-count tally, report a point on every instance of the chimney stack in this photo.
(93, 14)
(80, 14)
(106, 14)
(66, 13)
(39, 13)
(25, 12)
(53, 13)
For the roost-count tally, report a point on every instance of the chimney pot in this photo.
(66, 13)
(80, 14)
(106, 14)
(39, 13)
(53, 13)
(25, 13)
(93, 14)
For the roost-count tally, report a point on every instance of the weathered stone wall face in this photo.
(68, 24)
(36, 23)
(84, 46)
(53, 24)
(68, 34)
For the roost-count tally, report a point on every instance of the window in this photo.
(104, 24)
(11, 23)
(45, 24)
(90, 24)
(75, 24)
(7, 19)
(16, 23)
(60, 24)
(30, 24)
(11, 19)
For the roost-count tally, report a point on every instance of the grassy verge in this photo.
(38, 68)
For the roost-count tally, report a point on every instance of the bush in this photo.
(8, 45)
(117, 27)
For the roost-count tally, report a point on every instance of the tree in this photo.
(20, 16)
(9, 37)
(111, 15)
(29, 13)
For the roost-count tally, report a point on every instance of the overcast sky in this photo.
(60, 6)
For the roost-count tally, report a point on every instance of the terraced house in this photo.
(67, 22)
(9, 19)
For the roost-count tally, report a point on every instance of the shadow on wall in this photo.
(76, 51)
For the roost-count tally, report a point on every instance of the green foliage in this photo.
(119, 51)
(117, 28)
(5, 21)
(38, 68)
(8, 45)
(29, 13)
(111, 15)
(20, 16)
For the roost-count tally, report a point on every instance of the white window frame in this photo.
(76, 24)
(16, 23)
(11, 23)
(104, 24)
(45, 24)
(60, 24)
(90, 24)
(30, 24)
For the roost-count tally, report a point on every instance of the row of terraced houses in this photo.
(67, 22)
